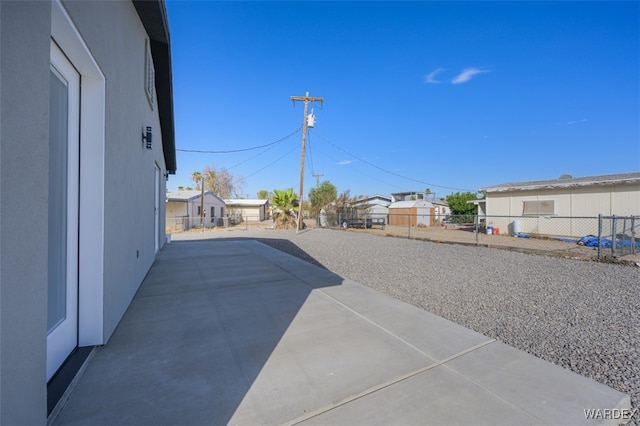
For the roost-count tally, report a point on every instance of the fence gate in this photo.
(618, 235)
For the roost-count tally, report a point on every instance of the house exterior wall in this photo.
(119, 50)
(113, 33)
(571, 202)
(176, 211)
(24, 137)
(182, 215)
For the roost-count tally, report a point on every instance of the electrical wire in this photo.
(252, 157)
(390, 172)
(359, 171)
(272, 163)
(313, 172)
(230, 151)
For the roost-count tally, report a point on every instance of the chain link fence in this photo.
(577, 237)
(178, 224)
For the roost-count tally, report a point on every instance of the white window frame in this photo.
(538, 207)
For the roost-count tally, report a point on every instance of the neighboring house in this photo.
(413, 213)
(408, 196)
(249, 210)
(376, 206)
(81, 189)
(441, 209)
(183, 210)
(565, 197)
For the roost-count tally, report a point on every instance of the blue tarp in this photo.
(592, 241)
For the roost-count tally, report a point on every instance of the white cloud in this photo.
(344, 162)
(431, 77)
(467, 75)
(584, 120)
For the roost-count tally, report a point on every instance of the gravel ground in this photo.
(584, 316)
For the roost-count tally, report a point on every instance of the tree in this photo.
(196, 177)
(321, 196)
(285, 207)
(263, 194)
(220, 181)
(460, 209)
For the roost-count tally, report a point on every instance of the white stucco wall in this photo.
(24, 171)
(129, 189)
(124, 182)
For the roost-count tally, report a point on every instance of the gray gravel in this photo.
(584, 316)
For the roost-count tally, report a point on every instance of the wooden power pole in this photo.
(318, 176)
(307, 100)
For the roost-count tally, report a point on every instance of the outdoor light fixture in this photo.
(146, 137)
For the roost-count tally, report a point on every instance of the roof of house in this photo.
(410, 204)
(153, 15)
(365, 200)
(567, 181)
(383, 197)
(189, 195)
(439, 201)
(245, 202)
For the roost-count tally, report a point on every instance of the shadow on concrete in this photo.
(198, 333)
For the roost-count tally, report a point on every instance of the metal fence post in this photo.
(409, 226)
(614, 228)
(599, 235)
(476, 229)
(633, 235)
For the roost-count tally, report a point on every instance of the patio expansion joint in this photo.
(321, 410)
(436, 363)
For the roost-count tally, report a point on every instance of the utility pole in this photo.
(318, 176)
(307, 100)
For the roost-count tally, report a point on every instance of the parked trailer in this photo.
(363, 222)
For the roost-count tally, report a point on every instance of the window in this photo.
(539, 207)
(149, 74)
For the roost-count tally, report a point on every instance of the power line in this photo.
(310, 155)
(388, 171)
(242, 149)
(273, 162)
(360, 172)
(252, 157)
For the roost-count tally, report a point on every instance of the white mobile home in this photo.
(565, 197)
(377, 206)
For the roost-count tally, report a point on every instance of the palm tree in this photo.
(196, 177)
(285, 207)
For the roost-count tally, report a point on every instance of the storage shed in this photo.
(413, 213)
(249, 210)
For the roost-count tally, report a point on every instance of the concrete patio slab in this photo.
(235, 332)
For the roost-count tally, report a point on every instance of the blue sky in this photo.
(451, 96)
